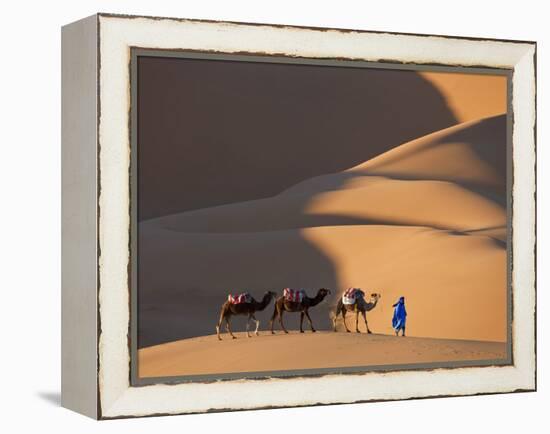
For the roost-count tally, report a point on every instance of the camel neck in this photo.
(265, 301)
(317, 299)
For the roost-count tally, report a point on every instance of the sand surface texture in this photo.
(206, 355)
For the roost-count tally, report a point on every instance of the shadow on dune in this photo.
(486, 138)
(225, 132)
(287, 210)
(318, 220)
(185, 278)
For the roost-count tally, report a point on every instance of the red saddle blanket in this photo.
(294, 295)
(351, 294)
(244, 297)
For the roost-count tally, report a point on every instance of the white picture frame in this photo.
(96, 356)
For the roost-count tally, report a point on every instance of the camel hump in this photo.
(351, 294)
(294, 295)
(243, 297)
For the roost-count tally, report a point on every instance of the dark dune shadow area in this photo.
(185, 278)
(483, 142)
(225, 132)
(486, 138)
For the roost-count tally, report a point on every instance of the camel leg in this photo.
(357, 322)
(247, 326)
(281, 320)
(229, 328)
(220, 321)
(301, 322)
(338, 311)
(257, 325)
(344, 318)
(310, 322)
(218, 327)
(366, 323)
(273, 318)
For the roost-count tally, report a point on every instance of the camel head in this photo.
(323, 292)
(271, 294)
(375, 296)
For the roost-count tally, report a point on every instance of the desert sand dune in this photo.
(470, 96)
(473, 153)
(205, 355)
(253, 118)
(443, 180)
(185, 278)
(425, 220)
(451, 292)
(364, 200)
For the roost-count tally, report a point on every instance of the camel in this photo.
(282, 305)
(360, 306)
(229, 309)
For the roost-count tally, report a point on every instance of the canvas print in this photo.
(296, 218)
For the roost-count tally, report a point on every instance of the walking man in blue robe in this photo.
(399, 317)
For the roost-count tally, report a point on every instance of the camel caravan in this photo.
(294, 300)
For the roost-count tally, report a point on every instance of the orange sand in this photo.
(470, 96)
(206, 355)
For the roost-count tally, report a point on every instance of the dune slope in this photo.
(426, 220)
(443, 180)
(470, 96)
(206, 355)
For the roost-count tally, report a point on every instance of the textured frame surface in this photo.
(116, 36)
(79, 242)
